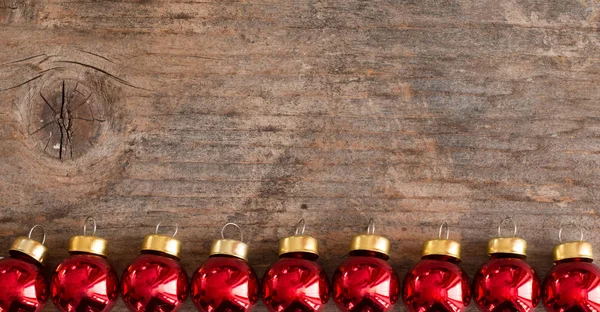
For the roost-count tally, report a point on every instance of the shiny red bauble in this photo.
(225, 283)
(154, 282)
(506, 283)
(365, 281)
(22, 284)
(437, 284)
(572, 285)
(84, 282)
(295, 283)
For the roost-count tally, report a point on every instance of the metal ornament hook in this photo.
(174, 223)
(442, 226)
(43, 232)
(85, 226)
(235, 225)
(300, 227)
(371, 227)
(560, 231)
(507, 219)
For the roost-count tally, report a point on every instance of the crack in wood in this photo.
(64, 115)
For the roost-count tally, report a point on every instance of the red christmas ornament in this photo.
(365, 281)
(296, 282)
(225, 282)
(573, 284)
(506, 282)
(85, 281)
(437, 283)
(155, 281)
(22, 283)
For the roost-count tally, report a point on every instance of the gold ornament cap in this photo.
(572, 249)
(370, 241)
(299, 242)
(30, 247)
(507, 245)
(442, 247)
(162, 243)
(230, 247)
(89, 244)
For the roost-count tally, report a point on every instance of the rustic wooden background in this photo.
(262, 112)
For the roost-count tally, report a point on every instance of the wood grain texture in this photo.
(265, 112)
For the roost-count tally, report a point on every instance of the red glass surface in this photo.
(224, 284)
(437, 284)
(295, 283)
(84, 282)
(154, 283)
(572, 285)
(365, 281)
(23, 287)
(506, 283)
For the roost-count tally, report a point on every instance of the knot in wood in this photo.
(66, 119)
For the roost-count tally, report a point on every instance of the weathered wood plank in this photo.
(263, 112)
